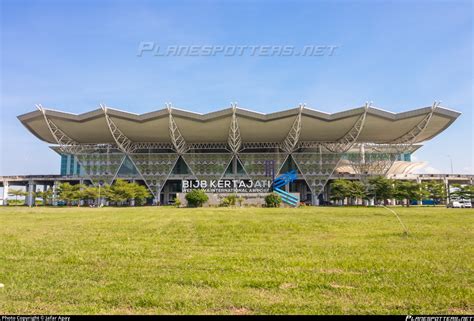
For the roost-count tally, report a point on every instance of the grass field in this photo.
(236, 261)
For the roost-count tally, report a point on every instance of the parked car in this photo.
(466, 204)
(454, 204)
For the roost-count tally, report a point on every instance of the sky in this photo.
(74, 55)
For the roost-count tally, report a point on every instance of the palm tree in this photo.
(16, 193)
(45, 195)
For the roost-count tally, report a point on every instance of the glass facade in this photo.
(162, 172)
(70, 166)
(208, 166)
(64, 161)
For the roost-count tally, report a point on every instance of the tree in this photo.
(380, 188)
(196, 197)
(16, 193)
(468, 191)
(141, 193)
(89, 193)
(119, 192)
(435, 191)
(465, 192)
(122, 191)
(408, 190)
(45, 196)
(357, 190)
(340, 189)
(273, 200)
(70, 193)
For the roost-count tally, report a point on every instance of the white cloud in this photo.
(427, 170)
(467, 169)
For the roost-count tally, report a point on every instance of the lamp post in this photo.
(99, 202)
(451, 161)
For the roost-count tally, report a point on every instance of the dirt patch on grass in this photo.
(239, 310)
(460, 311)
(337, 271)
(339, 286)
(288, 285)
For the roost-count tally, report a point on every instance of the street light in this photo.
(99, 201)
(451, 160)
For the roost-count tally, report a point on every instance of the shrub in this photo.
(196, 197)
(232, 199)
(224, 202)
(272, 200)
(229, 200)
(177, 202)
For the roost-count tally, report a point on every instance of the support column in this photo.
(30, 191)
(312, 199)
(166, 194)
(68, 164)
(446, 187)
(420, 201)
(81, 202)
(5, 193)
(156, 200)
(55, 190)
(234, 165)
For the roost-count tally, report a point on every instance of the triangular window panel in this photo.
(240, 168)
(229, 171)
(181, 168)
(289, 165)
(235, 169)
(208, 166)
(154, 168)
(100, 167)
(317, 168)
(128, 169)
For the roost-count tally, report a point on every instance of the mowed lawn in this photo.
(236, 261)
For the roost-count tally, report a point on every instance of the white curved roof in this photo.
(398, 167)
(380, 126)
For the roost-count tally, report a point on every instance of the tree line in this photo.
(119, 193)
(382, 189)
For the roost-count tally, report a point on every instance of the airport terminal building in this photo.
(236, 150)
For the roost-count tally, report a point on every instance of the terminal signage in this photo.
(227, 185)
